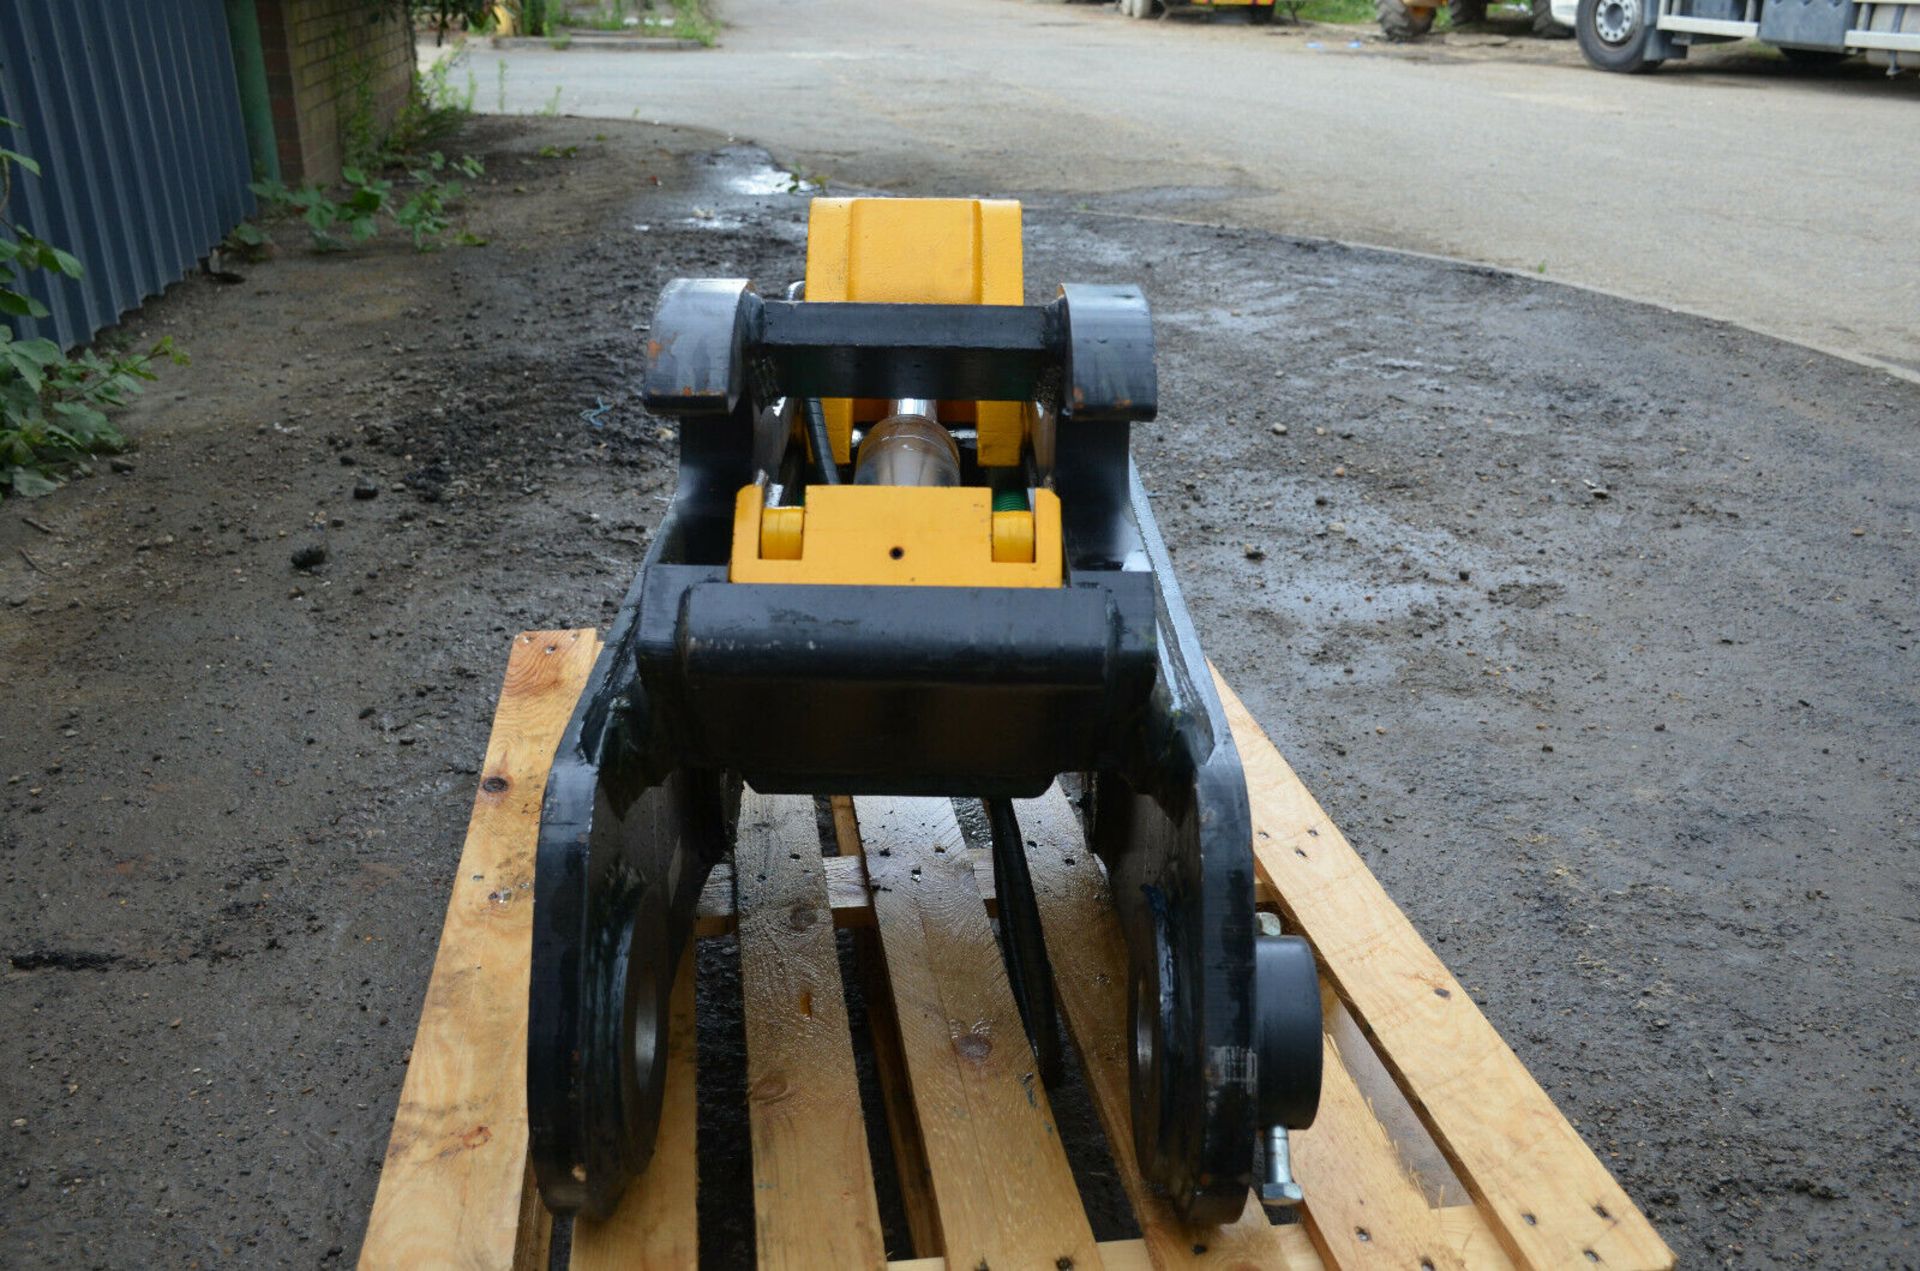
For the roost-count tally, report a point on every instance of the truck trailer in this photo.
(1634, 36)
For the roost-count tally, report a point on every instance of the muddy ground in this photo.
(1592, 625)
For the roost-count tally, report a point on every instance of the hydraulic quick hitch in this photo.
(909, 554)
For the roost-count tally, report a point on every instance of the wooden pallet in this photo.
(1434, 1148)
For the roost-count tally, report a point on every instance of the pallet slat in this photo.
(1546, 1196)
(656, 1227)
(1421, 1090)
(910, 1167)
(813, 1196)
(455, 1186)
(1004, 1191)
(846, 892)
(1089, 958)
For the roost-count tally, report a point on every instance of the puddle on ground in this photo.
(765, 179)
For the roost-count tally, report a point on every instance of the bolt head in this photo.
(1286, 1194)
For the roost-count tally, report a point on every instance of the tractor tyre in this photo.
(1615, 35)
(1401, 21)
(1545, 25)
(1465, 13)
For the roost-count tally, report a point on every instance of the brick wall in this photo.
(335, 68)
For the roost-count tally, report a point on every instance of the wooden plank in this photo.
(846, 890)
(455, 1189)
(1363, 1207)
(1543, 1192)
(1089, 959)
(1001, 1182)
(846, 826)
(910, 1168)
(847, 893)
(1362, 1210)
(1423, 1159)
(911, 1171)
(813, 1197)
(656, 1227)
(1132, 1255)
(1467, 1232)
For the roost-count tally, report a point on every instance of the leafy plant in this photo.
(338, 223)
(434, 108)
(476, 15)
(53, 408)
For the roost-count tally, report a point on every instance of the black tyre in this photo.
(1544, 24)
(1260, 14)
(1615, 34)
(1401, 22)
(1464, 13)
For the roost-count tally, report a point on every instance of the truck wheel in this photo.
(1615, 34)
(1544, 24)
(1463, 13)
(1260, 14)
(1401, 21)
(1137, 8)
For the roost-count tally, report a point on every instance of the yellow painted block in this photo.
(899, 536)
(780, 531)
(919, 251)
(1013, 536)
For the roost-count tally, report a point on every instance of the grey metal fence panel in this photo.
(133, 111)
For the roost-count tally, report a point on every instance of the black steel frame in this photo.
(978, 692)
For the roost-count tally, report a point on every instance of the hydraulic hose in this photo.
(824, 466)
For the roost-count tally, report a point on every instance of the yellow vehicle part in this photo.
(920, 251)
(882, 535)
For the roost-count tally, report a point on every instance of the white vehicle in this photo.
(1638, 35)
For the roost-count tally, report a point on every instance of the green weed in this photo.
(53, 408)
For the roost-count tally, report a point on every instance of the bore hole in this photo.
(1302, 855)
(1449, 993)
(1426, 1264)
(897, 552)
(1530, 1220)
(1591, 1255)
(1363, 1234)
(1602, 1211)
(494, 785)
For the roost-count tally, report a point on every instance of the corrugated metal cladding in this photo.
(131, 109)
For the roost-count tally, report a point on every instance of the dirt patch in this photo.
(1641, 766)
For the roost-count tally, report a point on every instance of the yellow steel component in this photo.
(780, 531)
(1013, 536)
(919, 251)
(882, 535)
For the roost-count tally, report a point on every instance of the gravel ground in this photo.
(1592, 625)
